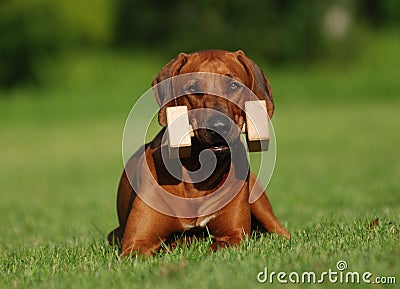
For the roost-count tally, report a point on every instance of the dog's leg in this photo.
(146, 229)
(125, 197)
(233, 222)
(262, 211)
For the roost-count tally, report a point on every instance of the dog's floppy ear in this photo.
(259, 82)
(164, 92)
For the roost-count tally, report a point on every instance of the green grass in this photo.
(337, 170)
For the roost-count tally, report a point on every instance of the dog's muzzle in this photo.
(217, 133)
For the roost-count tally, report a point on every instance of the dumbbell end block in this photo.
(179, 131)
(179, 152)
(257, 146)
(257, 130)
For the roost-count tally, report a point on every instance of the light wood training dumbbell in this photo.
(257, 130)
(179, 131)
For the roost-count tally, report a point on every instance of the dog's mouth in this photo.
(218, 145)
(220, 148)
(215, 142)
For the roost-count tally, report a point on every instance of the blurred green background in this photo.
(39, 32)
(70, 71)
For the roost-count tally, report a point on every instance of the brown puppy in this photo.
(142, 228)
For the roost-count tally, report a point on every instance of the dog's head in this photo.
(221, 73)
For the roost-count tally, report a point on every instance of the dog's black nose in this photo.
(219, 123)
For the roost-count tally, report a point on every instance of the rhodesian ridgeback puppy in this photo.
(143, 228)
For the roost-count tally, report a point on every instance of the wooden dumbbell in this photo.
(257, 131)
(179, 131)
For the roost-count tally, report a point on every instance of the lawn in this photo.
(337, 170)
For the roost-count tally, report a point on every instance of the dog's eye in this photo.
(191, 88)
(234, 85)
